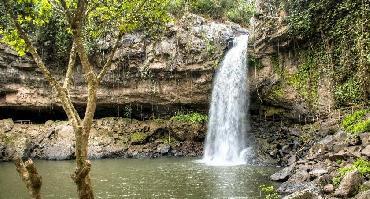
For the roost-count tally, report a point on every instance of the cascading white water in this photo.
(227, 126)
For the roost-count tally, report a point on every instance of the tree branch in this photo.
(108, 63)
(67, 11)
(71, 65)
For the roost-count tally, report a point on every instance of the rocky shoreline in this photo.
(337, 166)
(110, 138)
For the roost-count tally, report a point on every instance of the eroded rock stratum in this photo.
(148, 76)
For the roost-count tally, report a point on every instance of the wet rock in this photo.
(349, 185)
(282, 174)
(163, 148)
(291, 187)
(304, 194)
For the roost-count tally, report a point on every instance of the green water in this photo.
(145, 178)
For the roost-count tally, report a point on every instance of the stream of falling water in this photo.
(228, 123)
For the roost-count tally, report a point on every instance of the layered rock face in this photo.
(148, 77)
(278, 64)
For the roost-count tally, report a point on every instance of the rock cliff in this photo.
(148, 78)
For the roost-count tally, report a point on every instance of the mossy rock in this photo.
(138, 138)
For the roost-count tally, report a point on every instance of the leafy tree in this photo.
(84, 22)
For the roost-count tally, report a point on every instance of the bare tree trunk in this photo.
(81, 127)
(81, 175)
(28, 172)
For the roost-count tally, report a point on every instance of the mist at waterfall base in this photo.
(226, 143)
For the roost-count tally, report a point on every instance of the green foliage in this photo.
(348, 92)
(176, 7)
(30, 14)
(254, 63)
(55, 40)
(238, 11)
(269, 191)
(138, 137)
(361, 165)
(305, 80)
(46, 24)
(340, 30)
(191, 118)
(357, 122)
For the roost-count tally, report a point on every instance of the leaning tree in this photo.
(85, 21)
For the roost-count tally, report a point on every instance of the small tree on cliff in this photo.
(85, 20)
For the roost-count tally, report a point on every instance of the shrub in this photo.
(191, 117)
(138, 137)
(357, 122)
(361, 165)
(269, 191)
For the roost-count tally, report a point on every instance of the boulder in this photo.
(163, 148)
(318, 172)
(304, 194)
(363, 195)
(329, 188)
(365, 138)
(349, 185)
(292, 187)
(299, 176)
(366, 151)
(60, 145)
(6, 125)
(283, 174)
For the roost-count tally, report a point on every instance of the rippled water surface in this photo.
(145, 178)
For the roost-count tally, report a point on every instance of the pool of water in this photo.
(142, 178)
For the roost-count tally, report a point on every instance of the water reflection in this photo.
(148, 178)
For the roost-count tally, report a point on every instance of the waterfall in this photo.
(228, 123)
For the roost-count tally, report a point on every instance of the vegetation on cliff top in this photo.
(238, 11)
